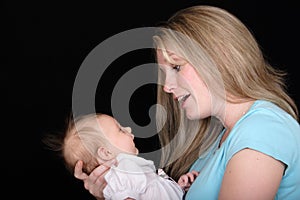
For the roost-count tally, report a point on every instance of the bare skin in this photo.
(94, 182)
(251, 175)
(186, 180)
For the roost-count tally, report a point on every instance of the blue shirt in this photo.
(265, 128)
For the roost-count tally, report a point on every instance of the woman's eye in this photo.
(177, 68)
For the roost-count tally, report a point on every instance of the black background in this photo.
(43, 44)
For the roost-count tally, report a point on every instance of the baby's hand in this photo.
(185, 181)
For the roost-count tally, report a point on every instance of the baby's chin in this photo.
(133, 152)
(137, 151)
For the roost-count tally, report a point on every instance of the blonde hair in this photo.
(83, 137)
(228, 58)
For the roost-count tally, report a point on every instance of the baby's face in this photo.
(120, 137)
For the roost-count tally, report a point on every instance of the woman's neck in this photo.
(234, 112)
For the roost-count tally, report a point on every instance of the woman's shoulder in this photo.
(265, 115)
(268, 129)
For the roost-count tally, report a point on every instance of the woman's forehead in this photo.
(168, 55)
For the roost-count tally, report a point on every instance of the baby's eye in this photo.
(177, 68)
(122, 130)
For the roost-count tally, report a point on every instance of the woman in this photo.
(228, 114)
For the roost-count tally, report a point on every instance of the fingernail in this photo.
(110, 162)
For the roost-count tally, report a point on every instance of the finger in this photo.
(187, 188)
(195, 173)
(96, 178)
(101, 182)
(180, 181)
(99, 171)
(78, 171)
(183, 180)
(192, 175)
(109, 163)
(96, 188)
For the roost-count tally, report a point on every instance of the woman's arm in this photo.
(251, 175)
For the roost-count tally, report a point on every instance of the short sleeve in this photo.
(269, 131)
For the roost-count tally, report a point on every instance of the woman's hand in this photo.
(185, 181)
(95, 182)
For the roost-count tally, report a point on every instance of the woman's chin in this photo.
(192, 116)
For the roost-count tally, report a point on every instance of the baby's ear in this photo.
(104, 154)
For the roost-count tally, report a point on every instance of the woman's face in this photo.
(183, 81)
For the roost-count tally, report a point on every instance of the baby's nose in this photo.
(128, 129)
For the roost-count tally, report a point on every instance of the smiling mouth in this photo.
(182, 99)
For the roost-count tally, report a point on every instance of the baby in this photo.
(98, 138)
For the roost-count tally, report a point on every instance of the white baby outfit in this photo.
(136, 177)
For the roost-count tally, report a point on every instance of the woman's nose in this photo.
(170, 83)
(167, 89)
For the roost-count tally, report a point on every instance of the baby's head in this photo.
(95, 139)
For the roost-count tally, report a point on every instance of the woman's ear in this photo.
(105, 154)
